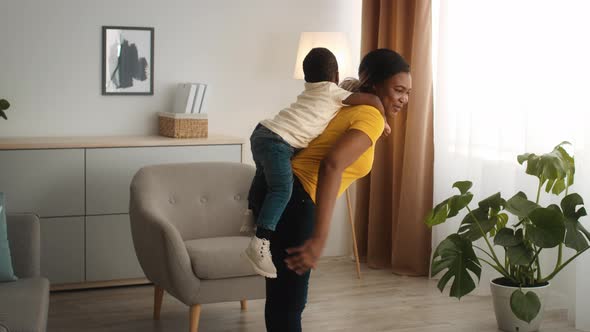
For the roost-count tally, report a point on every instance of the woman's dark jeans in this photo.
(287, 294)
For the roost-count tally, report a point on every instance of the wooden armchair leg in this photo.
(244, 305)
(158, 295)
(195, 314)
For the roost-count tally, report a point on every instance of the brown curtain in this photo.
(393, 200)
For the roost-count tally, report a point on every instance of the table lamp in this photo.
(337, 42)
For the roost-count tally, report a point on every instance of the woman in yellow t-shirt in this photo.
(342, 154)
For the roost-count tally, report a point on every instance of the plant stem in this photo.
(560, 250)
(506, 260)
(559, 255)
(541, 180)
(549, 277)
(539, 189)
(503, 272)
(495, 257)
(485, 252)
(534, 262)
(494, 267)
(538, 270)
(535, 257)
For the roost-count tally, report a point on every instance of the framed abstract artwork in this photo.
(127, 60)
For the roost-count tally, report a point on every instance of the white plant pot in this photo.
(506, 319)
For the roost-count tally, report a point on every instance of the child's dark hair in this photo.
(320, 65)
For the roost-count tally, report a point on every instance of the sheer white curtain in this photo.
(512, 77)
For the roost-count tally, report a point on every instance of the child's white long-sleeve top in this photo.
(307, 118)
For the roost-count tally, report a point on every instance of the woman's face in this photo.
(394, 92)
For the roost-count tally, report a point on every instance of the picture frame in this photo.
(127, 60)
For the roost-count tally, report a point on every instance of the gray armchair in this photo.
(185, 223)
(24, 303)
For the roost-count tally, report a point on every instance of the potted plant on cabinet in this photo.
(518, 294)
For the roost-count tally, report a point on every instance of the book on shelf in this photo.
(199, 97)
(189, 98)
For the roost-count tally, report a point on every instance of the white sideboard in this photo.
(79, 187)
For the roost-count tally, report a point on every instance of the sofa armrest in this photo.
(162, 253)
(24, 239)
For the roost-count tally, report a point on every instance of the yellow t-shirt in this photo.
(306, 163)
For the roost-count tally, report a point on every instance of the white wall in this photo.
(582, 293)
(50, 64)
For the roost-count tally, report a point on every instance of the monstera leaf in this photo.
(506, 237)
(520, 254)
(502, 222)
(451, 206)
(576, 236)
(547, 228)
(455, 254)
(495, 203)
(520, 206)
(516, 250)
(470, 229)
(555, 168)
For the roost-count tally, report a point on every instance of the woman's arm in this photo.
(360, 98)
(343, 153)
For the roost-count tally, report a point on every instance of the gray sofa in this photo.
(185, 222)
(24, 303)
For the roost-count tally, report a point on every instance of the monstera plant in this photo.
(532, 229)
(4, 105)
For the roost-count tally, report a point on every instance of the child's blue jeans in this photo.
(272, 156)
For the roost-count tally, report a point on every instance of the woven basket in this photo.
(180, 125)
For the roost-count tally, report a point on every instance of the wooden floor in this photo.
(338, 301)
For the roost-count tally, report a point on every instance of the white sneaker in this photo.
(248, 223)
(258, 254)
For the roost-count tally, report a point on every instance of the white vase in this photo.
(506, 319)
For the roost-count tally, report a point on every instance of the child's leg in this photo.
(269, 194)
(275, 158)
(272, 156)
(255, 198)
(257, 190)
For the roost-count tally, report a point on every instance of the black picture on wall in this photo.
(127, 60)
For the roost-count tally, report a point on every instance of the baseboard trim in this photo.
(99, 284)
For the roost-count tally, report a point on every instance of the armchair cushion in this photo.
(219, 257)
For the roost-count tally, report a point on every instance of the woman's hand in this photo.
(386, 129)
(306, 256)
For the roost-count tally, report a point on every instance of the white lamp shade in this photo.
(337, 42)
